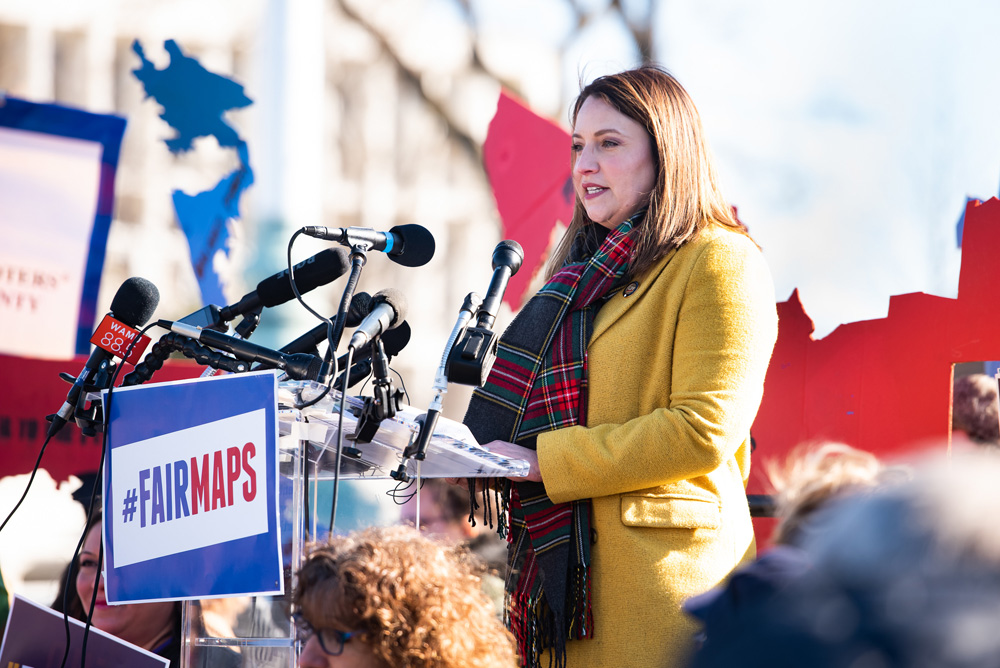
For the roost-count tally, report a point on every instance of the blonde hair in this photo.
(812, 475)
(686, 196)
(417, 602)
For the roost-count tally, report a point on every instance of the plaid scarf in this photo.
(539, 383)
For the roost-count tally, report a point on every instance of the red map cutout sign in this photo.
(527, 159)
(883, 385)
(34, 390)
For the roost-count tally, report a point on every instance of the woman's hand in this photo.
(514, 451)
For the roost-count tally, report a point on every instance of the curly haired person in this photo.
(391, 597)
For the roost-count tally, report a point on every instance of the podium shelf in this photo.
(452, 452)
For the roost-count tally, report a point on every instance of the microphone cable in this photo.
(402, 385)
(329, 358)
(31, 479)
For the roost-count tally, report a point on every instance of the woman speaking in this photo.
(630, 381)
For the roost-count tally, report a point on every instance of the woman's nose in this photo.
(585, 162)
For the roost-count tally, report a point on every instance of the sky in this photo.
(848, 135)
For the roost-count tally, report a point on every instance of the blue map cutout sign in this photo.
(194, 103)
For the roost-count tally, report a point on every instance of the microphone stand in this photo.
(418, 449)
(90, 419)
(359, 257)
(384, 403)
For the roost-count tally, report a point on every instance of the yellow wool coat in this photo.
(676, 373)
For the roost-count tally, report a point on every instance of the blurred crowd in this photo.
(870, 564)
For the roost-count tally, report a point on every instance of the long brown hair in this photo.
(686, 196)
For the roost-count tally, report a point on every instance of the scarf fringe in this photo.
(496, 500)
(531, 622)
(581, 611)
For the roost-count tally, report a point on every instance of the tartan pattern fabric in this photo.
(539, 383)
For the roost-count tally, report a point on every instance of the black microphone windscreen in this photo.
(361, 305)
(395, 339)
(135, 302)
(418, 245)
(393, 298)
(324, 267)
(508, 253)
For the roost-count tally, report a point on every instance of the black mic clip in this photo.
(208, 317)
(249, 323)
(472, 357)
(384, 403)
(90, 417)
(475, 349)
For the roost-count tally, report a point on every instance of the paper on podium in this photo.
(451, 453)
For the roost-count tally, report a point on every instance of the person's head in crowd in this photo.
(444, 513)
(906, 576)
(813, 475)
(147, 625)
(976, 410)
(444, 510)
(387, 597)
(664, 166)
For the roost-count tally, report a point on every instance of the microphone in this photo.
(507, 258)
(298, 366)
(320, 269)
(388, 311)
(133, 305)
(393, 341)
(360, 307)
(408, 245)
(473, 354)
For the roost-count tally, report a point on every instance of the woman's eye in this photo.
(609, 143)
(576, 148)
(88, 563)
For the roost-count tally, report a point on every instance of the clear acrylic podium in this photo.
(257, 631)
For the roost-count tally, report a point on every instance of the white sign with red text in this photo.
(190, 488)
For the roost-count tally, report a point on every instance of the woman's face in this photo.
(142, 624)
(613, 167)
(356, 654)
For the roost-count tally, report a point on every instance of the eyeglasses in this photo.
(331, 641)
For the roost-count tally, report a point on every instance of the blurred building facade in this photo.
(343, 132)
